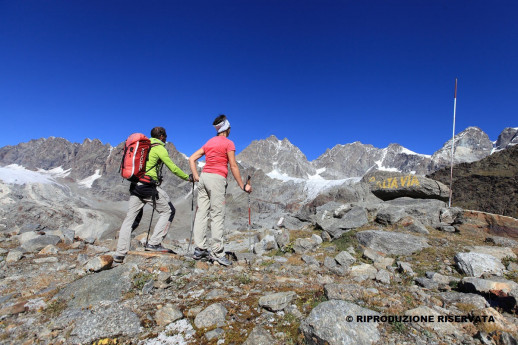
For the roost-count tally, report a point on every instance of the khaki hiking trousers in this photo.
(165, 211)
(211, 202)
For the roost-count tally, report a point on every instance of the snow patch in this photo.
(201, 164)
(314, 185)
(87, 182)
(16, 174)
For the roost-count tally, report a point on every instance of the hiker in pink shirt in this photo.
(219, 152)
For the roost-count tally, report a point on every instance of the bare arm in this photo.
(192, 163)
(235, 171)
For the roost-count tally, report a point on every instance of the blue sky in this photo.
(319, 73)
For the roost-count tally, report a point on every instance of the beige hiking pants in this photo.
(165, 211)
(211, 202)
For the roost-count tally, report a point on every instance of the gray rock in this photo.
(214, 334)
(427, 283)
(390, 215)
(413, 225)
(14, 255)
(82, 259)
(277, 301)
(148, 287)
(329, 323)
(38, 243)
(99, 263)
(502, 241)
(383, 276)
(427, 211)
(68, 236)
(439, 327)
(405, 267)
(167, 315)
(345, 259)
(391, 185)
(317, 239)
(310, 260)
(101, 322)
(488, 285)
(347, 292)
(259, 336)
(363, 272)
(335, 220)
(304, 245)
(476, 264)
(216, 294)
(392, 243)
(107, 285)
(453, 297)
(47, 260)
(330, 262)
(451, 215)
(282, 237)
(213, 315)
(498, 252)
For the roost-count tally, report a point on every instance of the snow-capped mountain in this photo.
(276, 155)
(356, 159)
(508, 137)
(471, 145)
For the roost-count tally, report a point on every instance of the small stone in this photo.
(213, 315)
(277, 301)
(345, 259)
(50, 259)
(214, 334)
(383, 276)
(259, 336)
(99, 263)
(50, 249)
(13, 256)
(167, 315)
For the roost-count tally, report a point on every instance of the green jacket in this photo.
(157, 156)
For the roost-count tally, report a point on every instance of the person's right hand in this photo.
(248, 188)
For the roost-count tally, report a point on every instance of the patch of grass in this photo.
(140, 279)
(345, 241)
(244, 279)
(55, 308)
(398, 327)
(507, 260)
(290, 326)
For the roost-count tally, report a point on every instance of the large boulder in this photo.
(336, 219)
(476, 264)
(391, 185)
(391, 243)
(335, 322)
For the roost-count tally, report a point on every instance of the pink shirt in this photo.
(216, 159)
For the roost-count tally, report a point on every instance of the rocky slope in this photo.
(403, 271)
(489, 185)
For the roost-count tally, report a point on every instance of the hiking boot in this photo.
(222, 260)
(158, 248)
(200, 253)
(118, 258)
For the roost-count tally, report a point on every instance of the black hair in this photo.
(219, 119)
(157, 132)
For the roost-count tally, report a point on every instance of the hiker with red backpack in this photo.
(219, 152)
(142, 165)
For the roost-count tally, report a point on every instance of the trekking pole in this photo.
(249, 219)
(151, 221)
(192, 217)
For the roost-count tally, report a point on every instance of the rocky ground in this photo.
(408, 272)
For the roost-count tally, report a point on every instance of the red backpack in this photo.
(133, 165)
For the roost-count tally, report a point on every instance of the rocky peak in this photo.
(509, 136)
(471, 145)
(272, 154)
